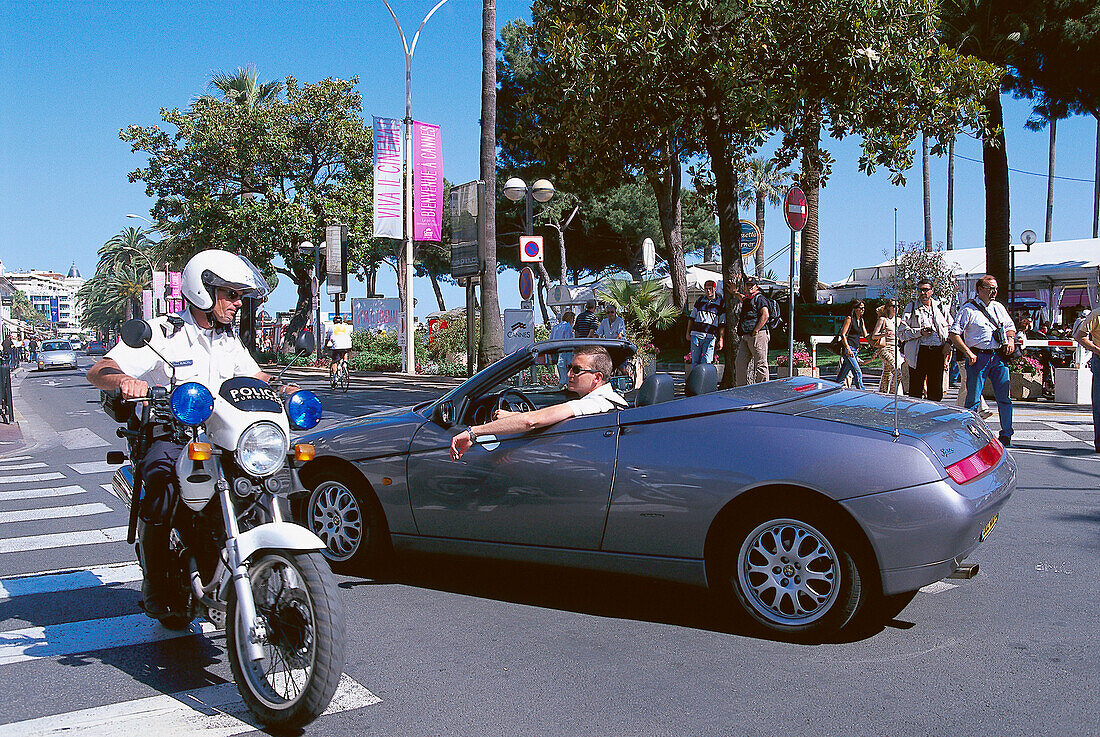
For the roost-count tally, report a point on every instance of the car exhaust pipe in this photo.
(966, 570)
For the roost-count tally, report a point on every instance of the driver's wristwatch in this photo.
(473, 435)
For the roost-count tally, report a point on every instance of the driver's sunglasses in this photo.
(231, 295)
(575, 369)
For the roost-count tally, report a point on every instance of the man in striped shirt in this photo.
(707, 323)
(587, 322)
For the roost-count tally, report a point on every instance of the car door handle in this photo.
(609, 433)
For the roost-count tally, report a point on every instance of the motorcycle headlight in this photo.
(192, 403)
(262, 449)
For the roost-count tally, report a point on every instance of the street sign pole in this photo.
(796, 211)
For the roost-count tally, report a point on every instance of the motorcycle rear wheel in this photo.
(299, 605)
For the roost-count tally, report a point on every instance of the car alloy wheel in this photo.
(335, 516)
(795, 576)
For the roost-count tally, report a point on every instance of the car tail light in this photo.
(975, 465)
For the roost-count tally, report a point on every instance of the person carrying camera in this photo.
(923, 332)
(984, 332)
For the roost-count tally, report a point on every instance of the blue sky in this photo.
(74, 73)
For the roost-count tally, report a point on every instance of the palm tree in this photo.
(764, 182)
(245, 89)
(644, 306)
(951, 194)
(927, 194)
(992, 32)
(124, 271)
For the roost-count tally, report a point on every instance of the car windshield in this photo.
(56, 345)
(542, 377)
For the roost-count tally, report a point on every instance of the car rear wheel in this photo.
(794, 572)
(349, 522)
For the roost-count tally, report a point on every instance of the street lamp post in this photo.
(410, 352)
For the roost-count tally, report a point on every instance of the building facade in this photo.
(52, 294)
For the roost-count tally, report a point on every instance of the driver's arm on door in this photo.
(510, 423)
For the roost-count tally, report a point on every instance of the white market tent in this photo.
(1046, 271)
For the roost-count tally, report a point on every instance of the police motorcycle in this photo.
(234, 559)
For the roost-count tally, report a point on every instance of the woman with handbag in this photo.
(885, 340)
(854, 329)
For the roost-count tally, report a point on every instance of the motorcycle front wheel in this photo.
(298, 605)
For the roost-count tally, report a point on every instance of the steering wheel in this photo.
(523, 405)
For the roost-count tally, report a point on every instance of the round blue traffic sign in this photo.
(531, 248)
(526, 283)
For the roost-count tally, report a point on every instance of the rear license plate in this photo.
(989, 528)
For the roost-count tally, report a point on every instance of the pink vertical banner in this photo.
(147, 304)
(427, 183)
(175, 297)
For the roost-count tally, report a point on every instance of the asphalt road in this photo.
(461, 647)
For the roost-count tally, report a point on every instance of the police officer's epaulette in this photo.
(176, 322)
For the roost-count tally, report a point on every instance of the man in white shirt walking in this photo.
(982, 330)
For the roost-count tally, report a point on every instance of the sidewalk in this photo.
(11, 434)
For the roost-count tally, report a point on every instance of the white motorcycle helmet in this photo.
(208, 270)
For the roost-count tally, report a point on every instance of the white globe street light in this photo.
(542, 190)
(516, 189)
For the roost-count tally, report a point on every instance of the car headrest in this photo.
(702, 379)
(655, 389)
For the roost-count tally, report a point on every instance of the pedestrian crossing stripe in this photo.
(210, 711)
(42, 513)
(8, 496)
(93, 467)
(22, 466)
(15, 458)
(31, 478)
(69, 638)
(62, 540)
(69, 580)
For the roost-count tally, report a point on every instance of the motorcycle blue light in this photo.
(304, 409)
(192, 403)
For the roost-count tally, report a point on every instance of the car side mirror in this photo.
(445, 413)
(305, 343)
(136, 333)
(622, 384)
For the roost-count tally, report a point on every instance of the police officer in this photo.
(202, 346)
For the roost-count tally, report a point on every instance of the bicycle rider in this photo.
(339, 339)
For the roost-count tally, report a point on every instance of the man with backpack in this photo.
(753, 335)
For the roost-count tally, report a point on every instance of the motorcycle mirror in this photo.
(136, 333)
(305, 343)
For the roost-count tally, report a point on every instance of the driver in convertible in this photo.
(202, 346)
(588, 375)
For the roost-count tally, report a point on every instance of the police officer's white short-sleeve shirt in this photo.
(206, 356)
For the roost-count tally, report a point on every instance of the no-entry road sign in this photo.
(795, 209)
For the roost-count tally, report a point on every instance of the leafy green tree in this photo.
(260, 173)
(577, 109)
(22, 309)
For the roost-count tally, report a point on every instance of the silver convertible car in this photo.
(797, 500)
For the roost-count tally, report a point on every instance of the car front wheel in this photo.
(350, 524)
(794, 574)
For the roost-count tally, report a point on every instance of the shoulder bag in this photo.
(1000, 336)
